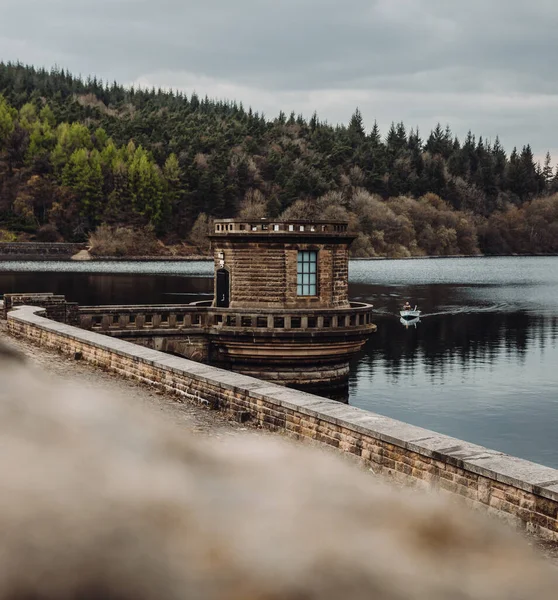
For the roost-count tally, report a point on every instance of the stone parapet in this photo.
(57, 308)
(198, 316)
(521, 492)
(309, 348)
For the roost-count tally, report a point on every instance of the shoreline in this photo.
(70, 259)
(206, 258)
(452, 256)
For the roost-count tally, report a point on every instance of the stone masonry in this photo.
(521, 492)
(57, 308)
(261, 258)
(9, 250)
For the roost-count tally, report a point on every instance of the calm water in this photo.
(482, 365)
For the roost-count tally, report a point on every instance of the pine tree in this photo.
(41, 143)
(375, 136)
(499, 158)
(356, 127)
(547, 172)
(513, 179)
(530, 180)
(172, 175)
(435, 142)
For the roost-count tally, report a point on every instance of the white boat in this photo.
(409, 314)
(408, 322)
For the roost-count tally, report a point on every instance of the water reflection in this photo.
(481, 365)
(119, 288)
(409, 322)
(463, 339)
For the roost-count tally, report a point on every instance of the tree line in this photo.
(84, 156)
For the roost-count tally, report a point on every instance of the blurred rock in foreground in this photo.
(99, 500)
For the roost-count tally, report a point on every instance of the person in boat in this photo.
(407, 306)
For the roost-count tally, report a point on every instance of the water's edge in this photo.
(204, 258)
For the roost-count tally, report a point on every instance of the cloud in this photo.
(485, 66)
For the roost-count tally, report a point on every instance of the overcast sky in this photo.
(486, 65)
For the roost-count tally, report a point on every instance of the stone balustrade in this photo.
(199, 317)
(298, 226)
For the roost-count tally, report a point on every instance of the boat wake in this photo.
(451, 310)
(465, 310)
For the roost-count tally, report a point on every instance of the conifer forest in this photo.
(138, 171)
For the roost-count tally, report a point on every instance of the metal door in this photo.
(222, 291)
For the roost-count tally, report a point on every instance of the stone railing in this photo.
(521, 492)
(142, 317)
(359, 315)
(308, 227)
(200, 316)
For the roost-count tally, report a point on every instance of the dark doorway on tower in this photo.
(223, 288)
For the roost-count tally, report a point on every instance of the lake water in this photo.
(482, 365)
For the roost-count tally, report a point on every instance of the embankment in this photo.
(38, 251)
(523, 493)
(21, 251)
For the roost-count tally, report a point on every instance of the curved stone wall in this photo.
(523, 493)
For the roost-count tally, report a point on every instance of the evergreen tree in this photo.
(547, 172)
(530, 181)
(81, 152)
(356, 127)
(82, 174)
(513, 178)
(436, 141)
(6, 122)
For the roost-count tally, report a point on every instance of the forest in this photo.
(138, 171)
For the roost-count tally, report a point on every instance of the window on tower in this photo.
(307, 272)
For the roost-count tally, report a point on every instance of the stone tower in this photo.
(294, 264)
(281, 300)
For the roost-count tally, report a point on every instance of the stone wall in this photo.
(340, 282)
(257, 274)
(193, 347)
(264, 274)
(521, 492)
(56, 306)
(28, 250)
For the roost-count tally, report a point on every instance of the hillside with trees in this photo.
(133, 169)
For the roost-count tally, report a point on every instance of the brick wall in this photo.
(257, 274)
(523, 493)
(340, 283)
(264, 274)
